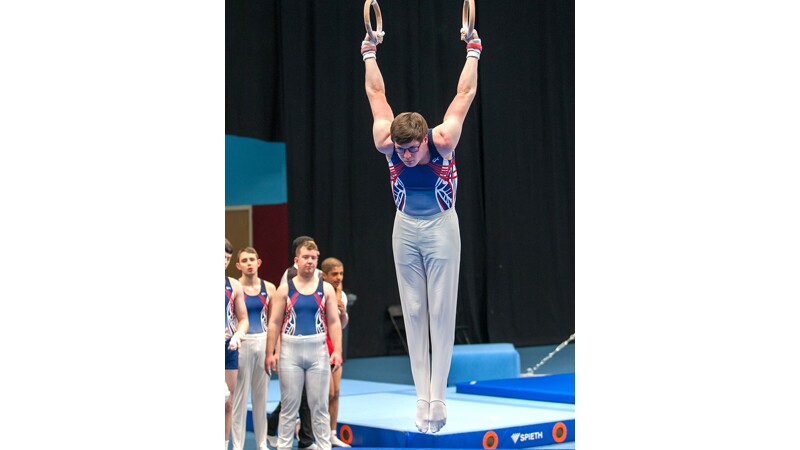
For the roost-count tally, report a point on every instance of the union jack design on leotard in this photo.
(447, 183)
(231, 321)
(398, 188)
(265, 310)
(321, 320)
(289, 317)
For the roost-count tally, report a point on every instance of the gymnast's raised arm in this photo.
(447, 134)
(382, 115)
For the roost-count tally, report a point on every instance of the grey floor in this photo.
(397, 369)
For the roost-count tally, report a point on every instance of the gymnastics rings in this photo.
(375, 36)
(468, 19)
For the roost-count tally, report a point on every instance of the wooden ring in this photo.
(376, 36)
(468, 18)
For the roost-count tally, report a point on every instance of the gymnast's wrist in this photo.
(368, 50)
(474, 48)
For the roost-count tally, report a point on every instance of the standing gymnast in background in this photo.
(305, 311)
(333, 273)
(252, 353)
(236, 324)
(425, 239)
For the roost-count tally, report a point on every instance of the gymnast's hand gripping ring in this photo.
(467, 20)
(375, 36)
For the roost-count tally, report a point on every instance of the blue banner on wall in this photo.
(255, 171)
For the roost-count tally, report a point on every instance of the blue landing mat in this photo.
(558, 388)
(387, 420)
(381, 415)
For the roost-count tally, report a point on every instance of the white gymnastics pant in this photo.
(304, 360)
(252, 354)
(427, 255)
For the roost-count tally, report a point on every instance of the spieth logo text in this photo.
(522, 437)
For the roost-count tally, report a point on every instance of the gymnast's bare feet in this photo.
(421, 418)
(438, 415)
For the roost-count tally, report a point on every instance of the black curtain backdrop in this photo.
(294, 74)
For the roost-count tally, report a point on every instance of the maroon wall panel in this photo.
(271, 239)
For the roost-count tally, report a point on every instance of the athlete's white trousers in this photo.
(252, 354)
(304, 360)
(427, 254)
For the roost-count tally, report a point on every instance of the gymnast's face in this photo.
(306, 261)
(411, 153)
(248, 263)
(334, 276)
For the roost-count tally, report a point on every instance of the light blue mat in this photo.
(373, 414)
